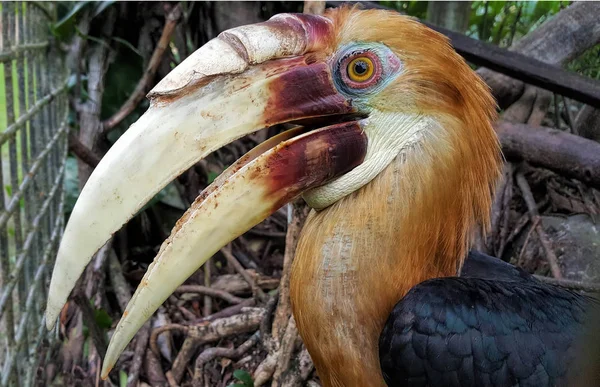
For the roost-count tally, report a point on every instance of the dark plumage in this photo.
(494, 326)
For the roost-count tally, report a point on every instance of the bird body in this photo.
(399, 174)
(495, 325)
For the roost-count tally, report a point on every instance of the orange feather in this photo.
(357, 258)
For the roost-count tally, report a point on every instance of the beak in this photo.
(246, 79)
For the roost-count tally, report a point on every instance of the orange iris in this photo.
(360, 69)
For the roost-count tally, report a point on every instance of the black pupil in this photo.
(361, 67)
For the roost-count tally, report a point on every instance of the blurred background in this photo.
(73, 78)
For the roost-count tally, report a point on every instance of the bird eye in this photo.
(360, 69)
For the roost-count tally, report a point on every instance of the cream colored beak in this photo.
(234, 85)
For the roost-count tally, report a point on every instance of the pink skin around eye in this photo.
(369, 82)
(393, 62)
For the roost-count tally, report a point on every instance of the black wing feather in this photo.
(483, 329)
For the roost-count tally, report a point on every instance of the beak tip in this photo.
(51, 316)
(49, 324)
(106, 368)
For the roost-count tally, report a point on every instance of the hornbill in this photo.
(396, 154)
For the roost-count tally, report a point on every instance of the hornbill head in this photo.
(369, 87)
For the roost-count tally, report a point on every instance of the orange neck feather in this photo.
(357, 258)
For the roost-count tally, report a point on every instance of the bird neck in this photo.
(356, 259)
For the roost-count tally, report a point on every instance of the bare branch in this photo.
(212, 353)
(299, 212)
(559, 151)
(82, 152)
(197, 335)
(142, 87)
(535, 219)
(209, 292)
(232, 260)
(141, 343)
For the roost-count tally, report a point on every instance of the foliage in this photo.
(102, 318)
(498, 22)
(122, 378)
(65, 27)
(588, 64)
(417, 9)
(243, 379)
(503, 22)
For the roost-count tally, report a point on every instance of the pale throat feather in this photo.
(358, 257)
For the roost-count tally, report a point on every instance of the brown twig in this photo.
(209, 292)
(232, 260)
(266, 324)
(118, 281)
(285, 351)
(186, 313)
(235, 283)
(265, 370)
(207, 307)
(189, 347)
(516, 230)
(141, 344)
(304, 368)
(154, 372)
(589, 287)
(212, 353)
(82, 152)
(171, 379)
(141, 88)
(197, 335)
(561, 152)
(506, 198)
(527, 238)
(299, 212)
(535, 219)
(228, 312)
(165, 328)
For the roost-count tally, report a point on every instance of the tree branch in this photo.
(561, 152)
(82, 152)
(536, 224)
(209, 292)
(142, 87)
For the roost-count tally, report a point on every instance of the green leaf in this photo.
(63, 27)
(212, 176)
(128, 45)
(122, 378)
(244, 377)
(102, 318)
(92, 38)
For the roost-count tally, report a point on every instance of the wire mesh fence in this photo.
(33, 148)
